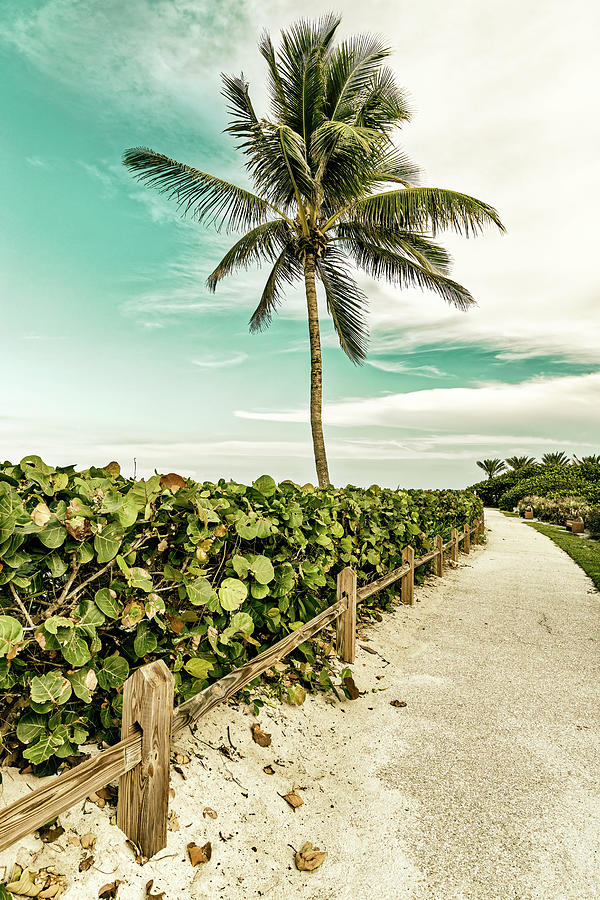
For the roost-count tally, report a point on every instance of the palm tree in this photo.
(491, 467)
(520, 462)
(559, 458)
(331, 191)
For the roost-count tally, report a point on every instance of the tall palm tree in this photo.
(558, 458)
(520, 462)
(491, 467)
(331, 190)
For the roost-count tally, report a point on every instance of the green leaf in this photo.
(52, 624)
(266, 485)
(232, 593)
(108, 604)
(107, 543)
(84, 683)
(57, 565)
(112, 672)
(262, 569)
(199, 591)
(154, 605)
(53, 535)
(44, 748)
(199, 668)
(243, 622)
(50, 688)
(145, 640)
(76, 651)
(259, 591)
(11, 634)
(31, 726)
(85, 553)
(241, 566)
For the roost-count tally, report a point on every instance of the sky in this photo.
(113, 348)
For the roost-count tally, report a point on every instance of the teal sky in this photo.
(113, 348)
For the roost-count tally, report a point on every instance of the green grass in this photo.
(512, 515)
(584, 552)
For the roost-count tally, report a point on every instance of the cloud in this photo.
(216, 363)
(37, 162)
(397, 367)
(149, 56)
(540, 406)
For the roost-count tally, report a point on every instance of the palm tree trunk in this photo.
(316, 372)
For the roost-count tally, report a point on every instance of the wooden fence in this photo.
(150, 724)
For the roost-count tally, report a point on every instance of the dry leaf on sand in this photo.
(269, 770)
(294, 799)
(399, 703)
(86, 863)
(260, 737)
(150, 896)
(198, 854)
(211, 813)
(109, 891)
(88, 840)
(310, 858)
(350, 686)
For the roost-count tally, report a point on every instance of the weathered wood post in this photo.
(455, 545)
(144, 791)
(346, 621)
(408, 580)
(439, 559)
(467, 541)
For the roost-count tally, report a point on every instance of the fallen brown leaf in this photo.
(294, 799)
(50, 833)
(397, 702)
(150, 895)
(350, 686)
(368, 649)
(310, 858)
(173, 821)
(211, 813)
(269, 770)
(88, 840)
(260, 737)
(86, 863)
(199, 854)
(109, 891)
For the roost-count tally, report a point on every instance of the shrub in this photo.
(593, 521)
(556, 481)
(556, 510)
(491, 489)
(99, 574)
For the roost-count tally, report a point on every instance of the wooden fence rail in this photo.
(150, 724)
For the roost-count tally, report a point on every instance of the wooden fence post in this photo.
(408, 580)
(439, 559)
(455, 545)
(467, 540)
(346, 621)
(144, 791)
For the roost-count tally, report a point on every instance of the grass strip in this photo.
(585, 553)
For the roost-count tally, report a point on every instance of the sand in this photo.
(486, 786)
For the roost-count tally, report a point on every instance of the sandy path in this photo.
(487, 785)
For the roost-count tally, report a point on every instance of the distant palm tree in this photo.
(520, 462)
(593, 460)
(491, 467)
(559, 458)
(331, 190)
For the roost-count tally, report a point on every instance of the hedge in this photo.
(100, 574)
(505, 491)
(556, 510)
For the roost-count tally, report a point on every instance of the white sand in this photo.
(486, 785)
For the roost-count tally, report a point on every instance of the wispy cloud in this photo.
(220, 363)
(565, 402)
(393, 366)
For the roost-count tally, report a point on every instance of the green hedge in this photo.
(505, 491)
(99, 574)
(561, 481)
(593, 522)
(556, 510)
